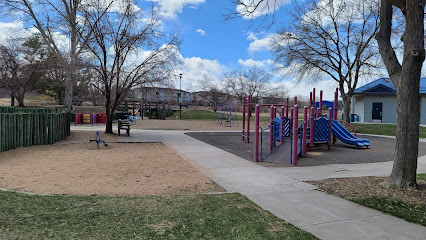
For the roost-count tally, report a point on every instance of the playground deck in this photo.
(381, 150)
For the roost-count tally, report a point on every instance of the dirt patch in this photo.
(362, 187)
(119, 169)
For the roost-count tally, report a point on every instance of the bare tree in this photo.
(53, 18)
(330, 38)
(128, 51)
(211, 93)
(17, 71)
(406, 79)
(248, 82)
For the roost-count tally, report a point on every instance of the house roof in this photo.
(384, 86)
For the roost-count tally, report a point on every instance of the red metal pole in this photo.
(256, 134)
(248, 119)
(282, 125)
(305, 128)
(329, 129)
(313, 99)
(311, 129)
(310, 99)
(320, 104)
(271, 130)
(295, 122)
(335, 105)
(286, 111)
(244, 117)
(295, 100)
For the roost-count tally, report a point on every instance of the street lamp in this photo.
(180, 96)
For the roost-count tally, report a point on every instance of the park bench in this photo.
(125, 125)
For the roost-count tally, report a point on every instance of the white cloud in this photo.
(170, 8)
(342, 11)
(260, 41)
(201, 32)
(194, 69)
(12, 31)
(265, 7)
(253, 63)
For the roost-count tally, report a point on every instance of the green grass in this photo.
(382, 129)
(207, 115)
(415, 213)
(223, 216)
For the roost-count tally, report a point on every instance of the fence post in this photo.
(295, 127)
(305, 128)
(256, 134)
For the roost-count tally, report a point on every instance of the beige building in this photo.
(167, 95)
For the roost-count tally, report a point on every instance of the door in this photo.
(377, 112)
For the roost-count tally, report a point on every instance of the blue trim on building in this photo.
(384, 86)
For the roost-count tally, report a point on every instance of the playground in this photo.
(382, 150)
(76, 167)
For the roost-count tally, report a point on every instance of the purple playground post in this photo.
(291, 118)
(329, 129)
(311, 129)
(295, 100)
(295, 123)
(248, 118)
(305, 128)
(320, 105)
(287, 107)
(335, 104)
(313, 99)
(282, 125)
(271, 130)
(256, 134)
(310, 99)
(244, 117)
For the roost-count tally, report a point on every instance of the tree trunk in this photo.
(347, 109)
(20, 98)
(408, 103)
(109, 114)
(68, 90)
(59, 95)
(109, 119)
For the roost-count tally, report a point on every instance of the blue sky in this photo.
(214, 46)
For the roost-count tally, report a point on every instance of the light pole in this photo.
(180, 96)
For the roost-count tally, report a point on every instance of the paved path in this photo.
(283, 192)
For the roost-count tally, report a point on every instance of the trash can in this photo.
(353, 117)
(356, 118)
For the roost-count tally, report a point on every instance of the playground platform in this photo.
(282, 191)
(381, 150)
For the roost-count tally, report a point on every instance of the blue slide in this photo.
(345, 136)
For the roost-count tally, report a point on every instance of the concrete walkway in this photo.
(282, 191)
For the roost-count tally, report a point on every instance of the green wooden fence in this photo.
(23, 127)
